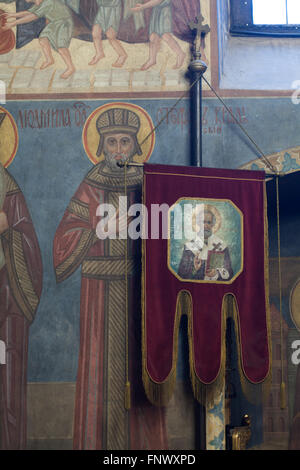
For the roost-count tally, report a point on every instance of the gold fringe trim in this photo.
(282, 396)
(127, 396)
(159, 393)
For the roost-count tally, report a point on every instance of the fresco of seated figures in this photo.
(99, 46)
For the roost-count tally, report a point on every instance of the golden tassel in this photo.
(282, 396)
(282, 386)
(127, 396)
(127, 401)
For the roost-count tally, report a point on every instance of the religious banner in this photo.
(204, 255)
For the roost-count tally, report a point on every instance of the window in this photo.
(271, 12)
(265, 17)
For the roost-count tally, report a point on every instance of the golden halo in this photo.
(200, 208)
(90, 136)
(9, 137)
(295, 305)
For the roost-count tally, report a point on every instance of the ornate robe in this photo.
(101, 420)
(20, 290)
(206, 251)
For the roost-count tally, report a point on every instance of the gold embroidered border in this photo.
(19, 277)
(97, 179)
(103, 268)
(79, 208)
(11, 185)
(117, 424)
(202, 176)
(68, 266)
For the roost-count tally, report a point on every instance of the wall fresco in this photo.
(139, 51)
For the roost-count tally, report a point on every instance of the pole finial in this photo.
(197, 65)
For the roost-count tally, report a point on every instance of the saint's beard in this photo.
(207, 234)
(112, 163)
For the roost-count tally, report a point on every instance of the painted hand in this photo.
(211, 272)
(138, 7)
(197, 263)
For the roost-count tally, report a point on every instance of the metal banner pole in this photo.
(210, 427)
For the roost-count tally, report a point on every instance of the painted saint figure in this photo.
(57, 33)
(107, 21)
(160, 28)
(20, 290)
(206, 257)
(101, 420)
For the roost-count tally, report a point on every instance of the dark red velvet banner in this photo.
(226, 255)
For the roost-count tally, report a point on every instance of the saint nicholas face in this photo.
(118, 148)
(208, 224)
